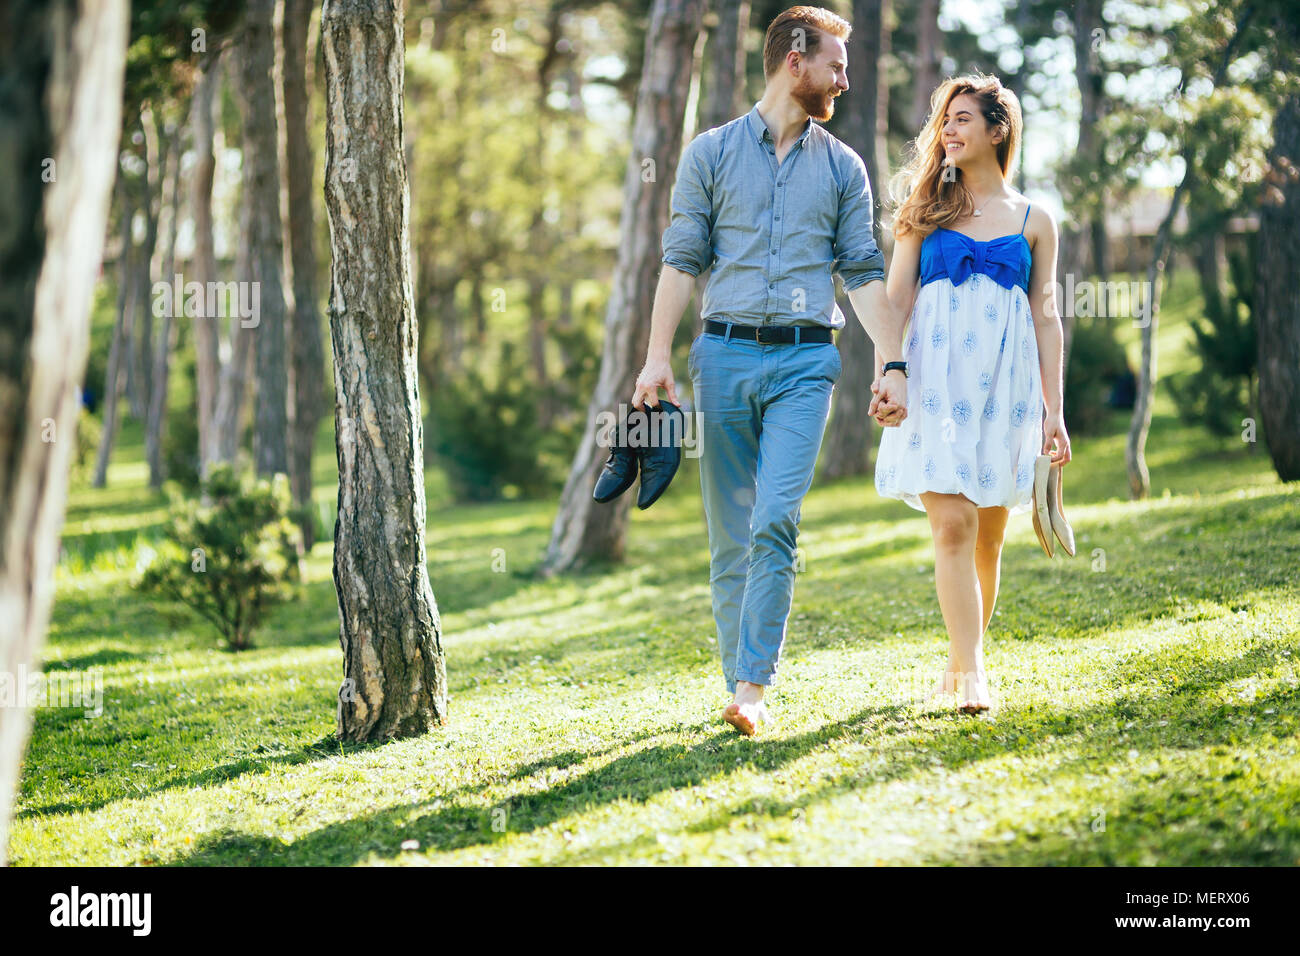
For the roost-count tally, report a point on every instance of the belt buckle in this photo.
(760, 337)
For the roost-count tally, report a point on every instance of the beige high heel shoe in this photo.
(1042, 512)
(1060, 527)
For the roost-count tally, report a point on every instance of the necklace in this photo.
(980, 211)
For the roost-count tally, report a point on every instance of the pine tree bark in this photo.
(306, 352)
(1092, 99)
(851, 435)
(1277, 301)
(585, 531)
(265, 239)
(390, 630)
(232, 389)
(115, 373)
(929, 54)
(156, 156)
(155, 419)
(724, 99)
(61, 67)
(203, 268)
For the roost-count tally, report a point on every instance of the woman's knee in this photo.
(954, 525)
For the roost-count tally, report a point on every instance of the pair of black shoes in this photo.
(651, 442)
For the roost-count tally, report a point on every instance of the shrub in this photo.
(89, 432)
(232, 560)
(1097, 362)
(180, 439)
(1220, 394)
(487, 438)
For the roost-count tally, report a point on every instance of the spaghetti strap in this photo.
(1022, 225)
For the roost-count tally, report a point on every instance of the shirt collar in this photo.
(761, 132)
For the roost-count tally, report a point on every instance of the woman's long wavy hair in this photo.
(924, 197)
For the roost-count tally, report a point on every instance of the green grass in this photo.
(1146, 705)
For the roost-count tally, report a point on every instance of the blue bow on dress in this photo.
(1005, 259)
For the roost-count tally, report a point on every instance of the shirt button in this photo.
(778, 215)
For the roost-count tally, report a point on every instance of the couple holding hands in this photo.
(970, 402)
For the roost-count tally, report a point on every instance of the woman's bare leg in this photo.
(988, 557)
(954, 525)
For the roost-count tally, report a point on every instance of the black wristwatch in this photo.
(890, 366)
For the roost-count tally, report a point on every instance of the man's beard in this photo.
(814, 101)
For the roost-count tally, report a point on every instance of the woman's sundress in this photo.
(974, 421)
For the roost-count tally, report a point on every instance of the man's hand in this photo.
(657, 373)
(889, 399)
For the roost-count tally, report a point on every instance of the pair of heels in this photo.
(1049, 522)
(652, 444)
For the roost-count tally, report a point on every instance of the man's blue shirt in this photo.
(773, 236)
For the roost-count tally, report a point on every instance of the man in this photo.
(775, 205)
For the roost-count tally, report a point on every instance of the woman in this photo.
(974, 264)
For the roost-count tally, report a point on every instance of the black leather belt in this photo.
(770, 334)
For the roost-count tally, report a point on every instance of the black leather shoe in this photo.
(618, 475)
(662, 453)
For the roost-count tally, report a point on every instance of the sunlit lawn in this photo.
(1146, 695)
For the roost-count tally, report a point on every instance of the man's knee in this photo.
(776, 528)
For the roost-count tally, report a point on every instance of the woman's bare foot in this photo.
(747, 710)
(974, 693)
(947, 685)
(970, 687)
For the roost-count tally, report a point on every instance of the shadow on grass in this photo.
(328, 746)
(641, 775)
(637, 776)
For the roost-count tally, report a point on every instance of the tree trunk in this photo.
(724, 99)
(161, 358)
(929, 54)
(390, 630)
(115, 373)
(203, 269)
(1210, 255)
(1139, 478)
(156, 154)
(265, 239)
(61, 66)
(307, 357)
(537, 329)
(1088, 76)
(232, 389)
(1277, 300)
(723, 102)
(851, 433)
(583, 530)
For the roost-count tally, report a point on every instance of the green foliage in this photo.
(1219, 393)
(180, 440)
(1096, 361)
(232, 560)
(487, 435)
(89, 432)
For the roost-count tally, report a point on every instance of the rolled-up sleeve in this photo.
(858, 260)
(687, 242)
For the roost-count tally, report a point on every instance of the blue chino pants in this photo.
(762, 414)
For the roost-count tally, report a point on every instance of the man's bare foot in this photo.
(746, 711)
(745, 717)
